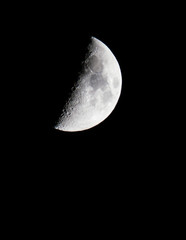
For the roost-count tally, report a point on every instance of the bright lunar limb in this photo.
(96, 91)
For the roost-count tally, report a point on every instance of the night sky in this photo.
(53, 46)
(62, 48)
(121, 157)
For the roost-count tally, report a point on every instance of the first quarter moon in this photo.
(96, 91)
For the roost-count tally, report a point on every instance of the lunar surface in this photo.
(96, 91)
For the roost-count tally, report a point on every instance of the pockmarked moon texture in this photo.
(96, 91)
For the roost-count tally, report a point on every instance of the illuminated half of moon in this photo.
(96, 91)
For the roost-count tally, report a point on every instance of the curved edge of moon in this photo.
(96, 93)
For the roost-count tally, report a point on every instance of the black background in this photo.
(55, 42)
(49, 44)
(119, 163)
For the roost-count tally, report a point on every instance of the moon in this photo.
(96, 91)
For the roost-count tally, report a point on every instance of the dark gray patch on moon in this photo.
(97, 81)
(95, 64)
(93, 102)
(107, 96)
